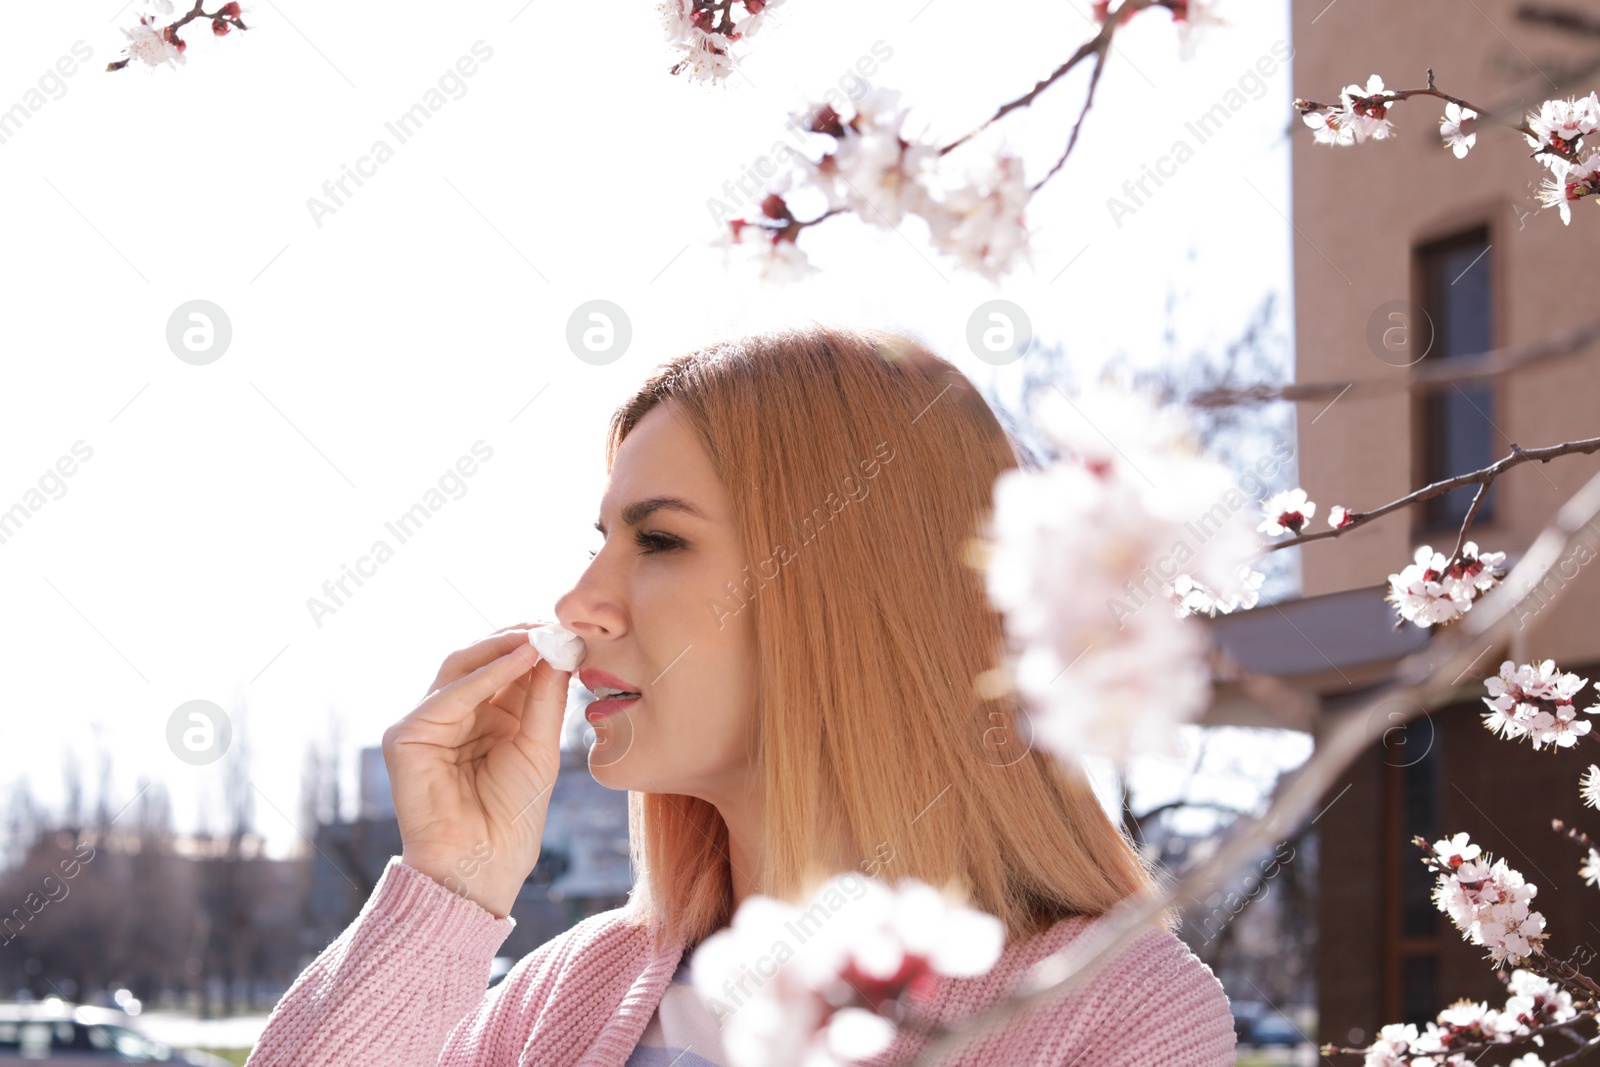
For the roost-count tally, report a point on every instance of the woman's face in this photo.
(654, 612)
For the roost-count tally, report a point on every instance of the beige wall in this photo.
(1360, 209)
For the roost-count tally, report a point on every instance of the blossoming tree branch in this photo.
(1560, 132)
(155, 44)
(871, 168)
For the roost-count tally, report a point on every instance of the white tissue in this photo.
(559, 646)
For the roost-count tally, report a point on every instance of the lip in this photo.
(601, 709)
(592, 677)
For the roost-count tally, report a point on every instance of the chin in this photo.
(612, 761)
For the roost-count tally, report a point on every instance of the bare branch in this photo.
(1561, 18)
(1516, 457)
(1489, 365)
(1088, 102)
(1097, 46)
(1472, 511)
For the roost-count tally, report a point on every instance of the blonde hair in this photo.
(861, 467)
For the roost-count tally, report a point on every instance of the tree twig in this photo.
(1516, 457)
(1390, 96)
(1441, 372)
(1562, 18)
(1098, 45)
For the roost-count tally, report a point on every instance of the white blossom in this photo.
(1194, 20)
(1535, 702)
(1191, 597)
(1591, 785)
(1431, 590)
(1329, 127)
(150, 45)
(873, 170)
(755, 17)
(1456, 850)
(1390, 1049)
(980, 220)
(1590, 869)
(1340, 516)
(1536, 1001)
(1361, 113)
(1458, 128)
(1286, 512)
(1083, 547)
(861, 944)
(1570, 182)
(1366, 109)
(1467, 1020)
(1558, 123)
(778, 260)
(1488, 903)
(706, 53)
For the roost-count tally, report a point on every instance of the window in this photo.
(1457, 432)
(1414, 795)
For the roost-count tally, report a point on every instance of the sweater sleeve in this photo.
(1161, 1006)
(389, 990)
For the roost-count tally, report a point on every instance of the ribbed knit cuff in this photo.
(427, 910)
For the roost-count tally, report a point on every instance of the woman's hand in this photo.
(472, 767)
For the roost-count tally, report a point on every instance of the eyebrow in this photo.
(639, 510)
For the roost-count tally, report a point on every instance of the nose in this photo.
(591, 611)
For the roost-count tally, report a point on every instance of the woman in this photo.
(786, 582)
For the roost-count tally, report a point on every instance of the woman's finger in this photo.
(458, 699)
(464, 661)
(545, 705)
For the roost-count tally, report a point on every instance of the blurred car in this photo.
(1274, 1028)
(66, 1035)
(1245, 1013)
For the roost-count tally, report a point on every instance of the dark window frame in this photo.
(1427, 521)
(1399, 825)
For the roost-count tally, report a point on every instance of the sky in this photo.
(381, 345)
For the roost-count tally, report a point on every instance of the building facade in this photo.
(583, 867)
(1410, 262)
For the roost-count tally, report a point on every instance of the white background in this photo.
(369, 353)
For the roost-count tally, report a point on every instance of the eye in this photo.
(650, 543)
(655, 542)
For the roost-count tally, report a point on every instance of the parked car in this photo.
(68, 1035)
(1274, 1028)
(1245, 1013)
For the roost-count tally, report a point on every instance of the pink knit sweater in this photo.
(404, 986)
